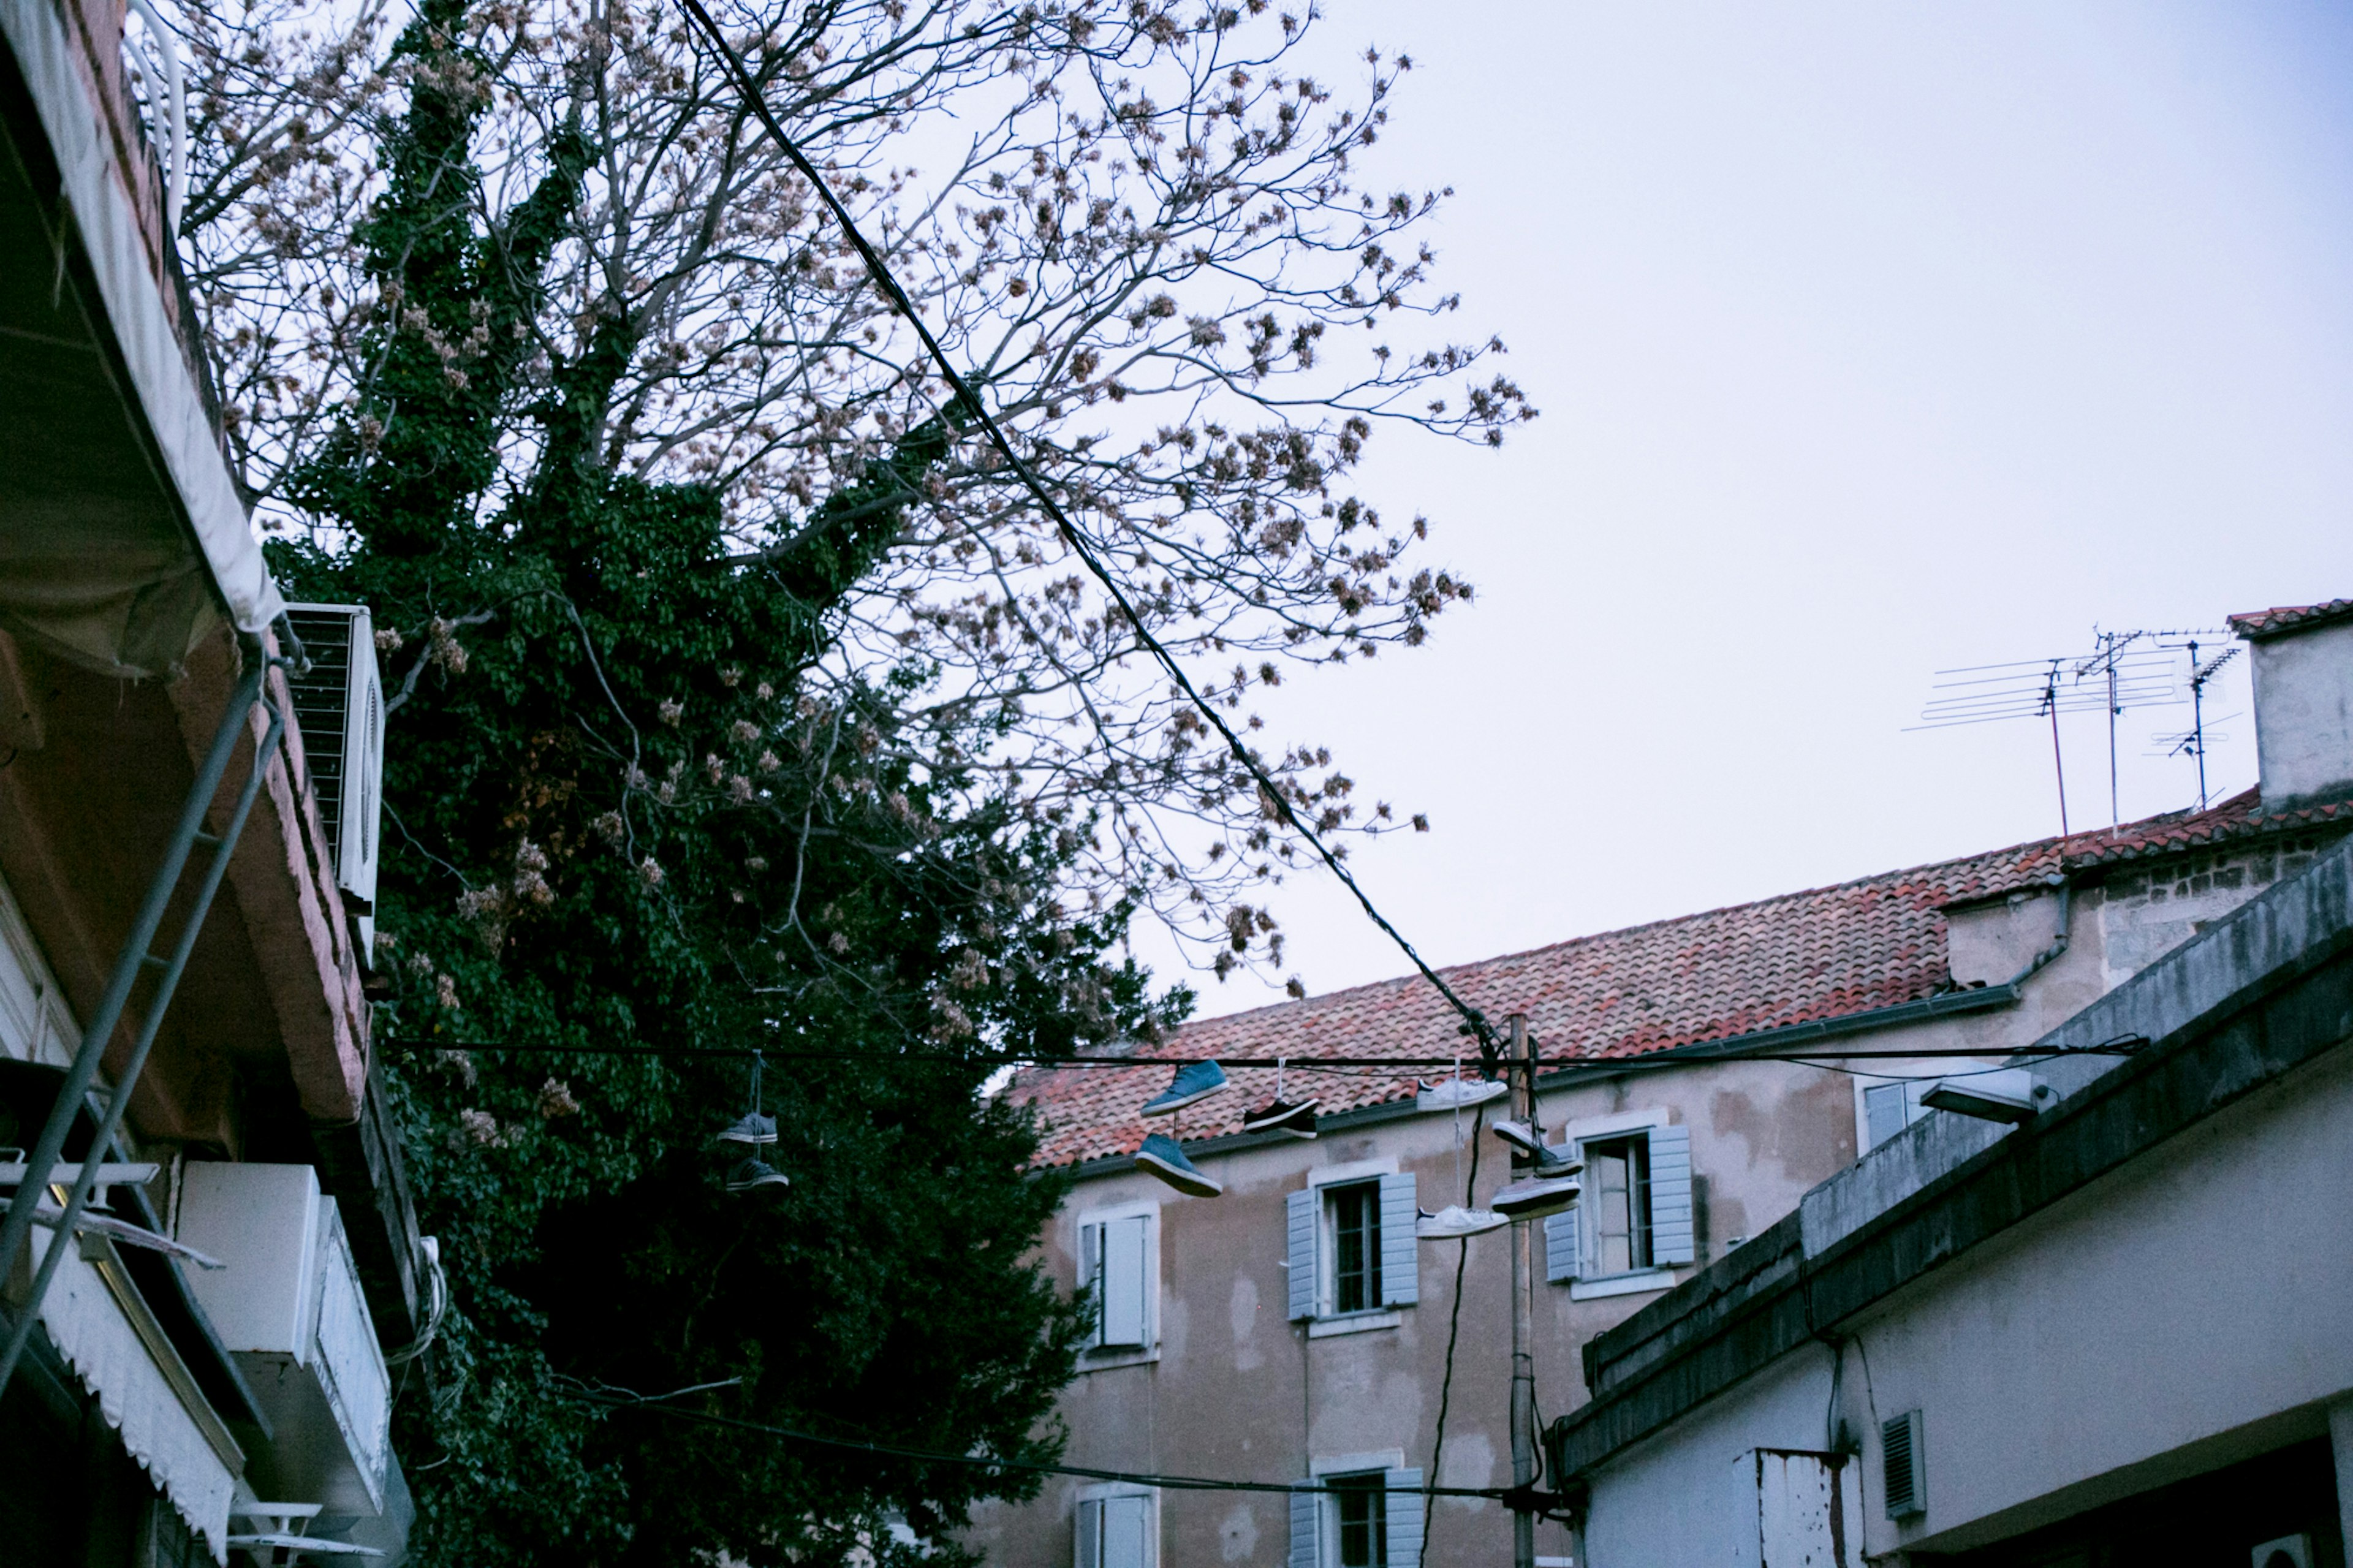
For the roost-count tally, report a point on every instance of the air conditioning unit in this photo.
(288, 1309)
(1904, 1479)
(339, 706)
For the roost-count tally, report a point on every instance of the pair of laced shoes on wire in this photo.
(1165, 1157)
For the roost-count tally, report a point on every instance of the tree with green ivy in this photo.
(619, 819)
(739, 700)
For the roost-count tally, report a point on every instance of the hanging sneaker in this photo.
(1459, 1093)
(753, 1128)
(1194, 1081)
(1162, 1157)
(1454, 1220)
(1535, 1195)
(1549, 1161)
(751, 1172)
(1296, 1116)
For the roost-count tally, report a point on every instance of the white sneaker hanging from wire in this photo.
(1457, 1093)
(1455, 1221)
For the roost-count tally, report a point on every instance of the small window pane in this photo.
(1356, 1249)
(1882, 1112)
(1361, 1503)
(1618, 1189)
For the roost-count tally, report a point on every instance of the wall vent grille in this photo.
(1899, 1465)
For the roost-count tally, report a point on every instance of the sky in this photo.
(1871, 341)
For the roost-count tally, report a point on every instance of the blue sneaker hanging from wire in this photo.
(1194, 1081)
(1163, 1157)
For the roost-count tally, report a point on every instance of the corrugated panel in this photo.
(1400, 1252)
(1403, 1502)
(1560, 1245)
(1299, 1213)
(1306, 1517)
(1673, 1238)
(1127, 1289)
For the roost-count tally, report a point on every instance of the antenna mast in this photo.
(2121, 673)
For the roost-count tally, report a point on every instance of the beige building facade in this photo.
(1664, 1055)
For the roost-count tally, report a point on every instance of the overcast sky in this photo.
(1872, 340)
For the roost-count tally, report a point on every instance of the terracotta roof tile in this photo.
(2257, 625)
(1875, 943)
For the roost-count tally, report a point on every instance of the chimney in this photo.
(2304, 700)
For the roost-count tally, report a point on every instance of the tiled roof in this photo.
(2257, 625)
(2239, 818)
(1789, 960)
(1875, 943)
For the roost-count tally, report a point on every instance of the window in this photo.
(1637, 1216)
(1617, 1192)
(1359, 1511)
(1119, 1266)
(1350, 1249)
(1118, 1527)
(1354, 1216)
(1887, 1109)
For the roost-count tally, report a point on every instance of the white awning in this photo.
(137, 1397)
(123, 539)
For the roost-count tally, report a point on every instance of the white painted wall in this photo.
(2304, 712)
(2190, 1310)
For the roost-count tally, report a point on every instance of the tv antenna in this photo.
(2193, 744)
(2124, 670)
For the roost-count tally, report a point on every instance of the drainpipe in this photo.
(136, 957)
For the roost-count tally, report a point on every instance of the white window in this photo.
(1359, 1510)
(1119, 1527)
(1350, 1248)
(1119, 1266)
(1635, 1219)
(1884, 1109)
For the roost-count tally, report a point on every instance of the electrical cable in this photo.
(1296, 1063)
(929, 1457)
(1489, 1043)
(1453, 1331)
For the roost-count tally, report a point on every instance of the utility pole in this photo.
(1523, 1370)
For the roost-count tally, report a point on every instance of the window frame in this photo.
(1588, 1283)
(1332, 1277)
(1113, 1491)
(1351, 1467)
(1369, 1489)
(1097, 1357)
(1912, 1090)
(1324, 1183)
(1640, 1240)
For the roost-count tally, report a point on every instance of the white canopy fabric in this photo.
(97, 1341)
(123, 542)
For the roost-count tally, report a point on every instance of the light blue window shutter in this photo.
(1306, 1517)
(1402, 1500)
(1560, 1245)
(1091, 1280)
(1125, 1310)
(1091, 1535)
(1400, 1253)
(1672, 1239)
(1127, 1532)
(1300, 1212)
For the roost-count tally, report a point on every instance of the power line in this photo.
(2118, 1048)
(929, 1457)
(1489, 1042)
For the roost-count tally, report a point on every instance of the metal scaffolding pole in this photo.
(16, 1230)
